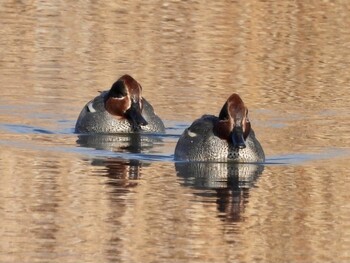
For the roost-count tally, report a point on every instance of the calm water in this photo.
(70, 198)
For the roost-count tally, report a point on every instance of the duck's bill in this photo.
(135, 116)
(238, 138)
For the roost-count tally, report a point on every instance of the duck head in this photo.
(234, 125)
(124, 100)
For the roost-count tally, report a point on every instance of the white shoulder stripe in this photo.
(191, 134)
(90, 107)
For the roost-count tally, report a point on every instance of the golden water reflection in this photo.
(69, 208)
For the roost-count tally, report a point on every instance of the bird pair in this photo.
(122, 109)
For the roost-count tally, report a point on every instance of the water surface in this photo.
(76, 198)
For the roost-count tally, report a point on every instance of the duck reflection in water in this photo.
(119, 143)
(121, 170)
(230, 183)
(121, 173)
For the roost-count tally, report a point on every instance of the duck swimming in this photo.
(122, 109)
(228, 137)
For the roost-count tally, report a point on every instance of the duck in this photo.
(121, 109)
(226, 138)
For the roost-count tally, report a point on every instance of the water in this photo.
(70, 198)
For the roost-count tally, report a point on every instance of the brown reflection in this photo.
(117, 169)
(45, 206)
(123, 176)
(229, 182)
(120, 171)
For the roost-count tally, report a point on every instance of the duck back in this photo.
(199, 142)
(94, 118)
